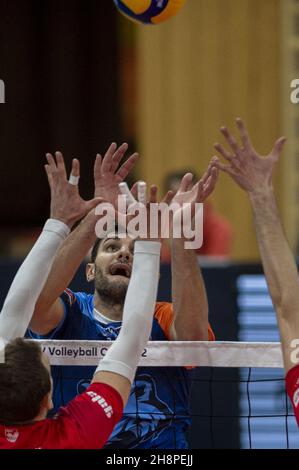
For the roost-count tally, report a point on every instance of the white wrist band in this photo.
(57, 226)
(123, 187)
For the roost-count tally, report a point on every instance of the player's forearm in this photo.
(188, 295)
(67, 262)
(123, 357)
(29, 280)
(278, 261)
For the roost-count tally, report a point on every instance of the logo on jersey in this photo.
(11, 435)
(82, 385)
(156, 416)
(109, 332)
(95, 398)
(296, 398)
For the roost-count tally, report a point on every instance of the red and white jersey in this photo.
(85, 423)
(292, 384)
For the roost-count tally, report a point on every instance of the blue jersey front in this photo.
(157, 413)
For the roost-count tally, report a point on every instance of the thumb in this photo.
(94, 203)
(186, 182)
(278, 146)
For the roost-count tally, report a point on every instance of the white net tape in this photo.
(171, 353)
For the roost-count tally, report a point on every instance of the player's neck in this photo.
(113, 311)
(42, 415)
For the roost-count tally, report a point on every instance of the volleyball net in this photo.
(237, 399)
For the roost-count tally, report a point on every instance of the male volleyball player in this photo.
(25, 381)
(253, 173)
(157, 413)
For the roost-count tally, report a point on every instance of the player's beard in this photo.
(111, 292)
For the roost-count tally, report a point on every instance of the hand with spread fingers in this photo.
(108, 175)
(137, 199)
(251, 171)
(189, 194)
(66, 202)
(200, 191)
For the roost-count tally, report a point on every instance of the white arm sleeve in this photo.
(27, 285)
(124, 355)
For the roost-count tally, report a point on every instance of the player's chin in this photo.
(119, 279)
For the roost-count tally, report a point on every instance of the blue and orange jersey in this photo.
(157, 412)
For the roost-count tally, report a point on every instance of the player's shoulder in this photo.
(80, 299)
(37, 435)
(164, 317)
(163, 308)
(163, 312)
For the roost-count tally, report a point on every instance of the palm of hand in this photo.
(185, 197)
(252, 170)
(76, 205)
(107, 187)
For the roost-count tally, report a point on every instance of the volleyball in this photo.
(149, 11)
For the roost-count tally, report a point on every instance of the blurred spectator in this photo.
(217, 231)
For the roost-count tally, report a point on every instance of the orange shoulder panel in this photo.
(164, 316)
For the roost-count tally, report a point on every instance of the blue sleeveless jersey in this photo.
(157, 413)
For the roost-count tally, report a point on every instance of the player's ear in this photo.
(90, 272)
(47, 402)
(50, 401)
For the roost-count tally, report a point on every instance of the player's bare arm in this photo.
(30, 278)
(253, 173)
(188, 290)
(108, 173)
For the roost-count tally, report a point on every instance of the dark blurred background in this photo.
(60, 64)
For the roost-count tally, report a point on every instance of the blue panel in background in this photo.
(268, 405)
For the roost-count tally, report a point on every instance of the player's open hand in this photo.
(190, 193)
(66, 202)
(108, 175)
(251, 171)
(153, 222)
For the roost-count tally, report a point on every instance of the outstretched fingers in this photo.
(225, 154)
(230, 139)
(277, 149)
(97, 166)
(186, 183)
(210, 184)
(153, 194)
(226, 168)
(243, 134)
(60, 164)
(49, 176)
(75, 167)
(126, 168)
(168, 197)
(118, 156)
(107, 160)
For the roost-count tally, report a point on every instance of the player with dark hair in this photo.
(157, 413)
(253, 173)
(25, 381)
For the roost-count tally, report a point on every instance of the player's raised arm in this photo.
(108, 173)
(66, 208)
(253, 173)
(119, 365)
(189, 297)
